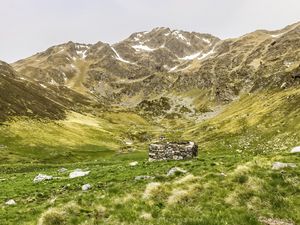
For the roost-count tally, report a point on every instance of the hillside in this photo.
(97, 107)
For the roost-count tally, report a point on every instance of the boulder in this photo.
(175, 170)
(86, 187)
(10, 202)
(42, 177)
(135, 163)
(143, 177)
(296, 150)
(78, 173)
(280, 165)
(62, 170)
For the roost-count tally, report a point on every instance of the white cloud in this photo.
(33, 25)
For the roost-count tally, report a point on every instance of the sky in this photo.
(31, 26)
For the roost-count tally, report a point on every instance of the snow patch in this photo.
(179, 35)
(173, 68)
(61, 50)
(64, 76)
(275, 35)
(191, 57)
(142, 48)
(82, 53)
(52, 82)
(82, 46)
(278, 35)
(118, 57)
(205, 55)
(206, 40)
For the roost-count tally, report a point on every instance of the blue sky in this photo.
(30, 26)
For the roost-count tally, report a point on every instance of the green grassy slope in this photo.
(262, 122)
(79, 137)
(231, 181)
(247, 193)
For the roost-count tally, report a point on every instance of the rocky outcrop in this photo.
(172, 151)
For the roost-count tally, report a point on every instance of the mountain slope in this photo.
(21, 97)
(149, 65)
(119, 72)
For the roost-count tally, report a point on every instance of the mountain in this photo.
(169, 82)
(149, 65)
(95, 108)
(21, 97)
(129, 70)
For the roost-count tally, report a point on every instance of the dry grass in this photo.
(151, 189)
(177, 195)
(53, 216)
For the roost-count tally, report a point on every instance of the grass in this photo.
(231, 181)
(203, 196)
(79, 137)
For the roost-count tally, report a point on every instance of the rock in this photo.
(280, 165)
(2, 146)
(296, 150)
(275, 221)
(62, 170)
(135, 163)
(78, 173)
(143, 177)
(172, 151)
(175, 170)
(10, 202)
(146, 216)
(42, 177)
(86, 187)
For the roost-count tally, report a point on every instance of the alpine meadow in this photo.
(164, 127)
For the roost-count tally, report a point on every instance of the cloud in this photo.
(33, 25)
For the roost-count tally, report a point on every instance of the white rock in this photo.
(280, 165)
(296, 149)
(42, 177)
(143, 177)
(135, 163)
(62, 170)
(175, 170)
(10, 202)
(78, 173)
(86, 187)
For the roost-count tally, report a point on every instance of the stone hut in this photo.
(172, 151)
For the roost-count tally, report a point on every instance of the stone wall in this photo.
(172, 151)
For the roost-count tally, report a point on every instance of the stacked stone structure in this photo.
(172, 151)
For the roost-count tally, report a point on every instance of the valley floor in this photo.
(218, 188)
(230, 183)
